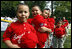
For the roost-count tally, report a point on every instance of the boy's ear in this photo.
(28, 15)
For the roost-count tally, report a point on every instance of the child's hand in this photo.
(14, 46)
(10, 45)
(63, 35)
(44, 29)
(41, 29)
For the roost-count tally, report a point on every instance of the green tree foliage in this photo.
(8, 8)
(62, 8)
(41, 4)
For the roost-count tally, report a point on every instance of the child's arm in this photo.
(44, 29)
(10, 45)
(63, 36)
(66, 34)
(65, 24)
(6, 37)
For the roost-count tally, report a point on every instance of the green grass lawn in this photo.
(2, 43)
(67, 43)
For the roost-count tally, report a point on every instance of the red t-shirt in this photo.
(59, 31)
(22, 34)
(38, 21)
(53, 21)
(63, 28)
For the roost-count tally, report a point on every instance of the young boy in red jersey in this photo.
(51, 21)
(58, 35)
(66, 26)
(46, 14)
(20, 34)
(40, 24)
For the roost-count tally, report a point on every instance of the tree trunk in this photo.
(51, 8)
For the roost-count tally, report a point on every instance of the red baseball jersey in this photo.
(22, 34)
(38, 21)
(59, 31)
(63, 28)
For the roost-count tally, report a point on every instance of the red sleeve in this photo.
(65, 23)
(52, 24)
(52, 20)
(65, 20)
(39, 21)
(7, 34)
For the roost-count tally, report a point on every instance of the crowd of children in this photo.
(37, 32)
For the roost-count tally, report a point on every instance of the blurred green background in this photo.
(58, 8)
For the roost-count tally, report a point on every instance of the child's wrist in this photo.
(10, 45)
(49, 30)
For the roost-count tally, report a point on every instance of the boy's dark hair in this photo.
(37, 6)
(20, 4)
(47, 9)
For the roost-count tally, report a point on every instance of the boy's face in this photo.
(46, 13)
(23, 12)
(36, 10)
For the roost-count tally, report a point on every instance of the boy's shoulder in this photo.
(52, 19)
(38, 18)
(11, 23)
(65, 20)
